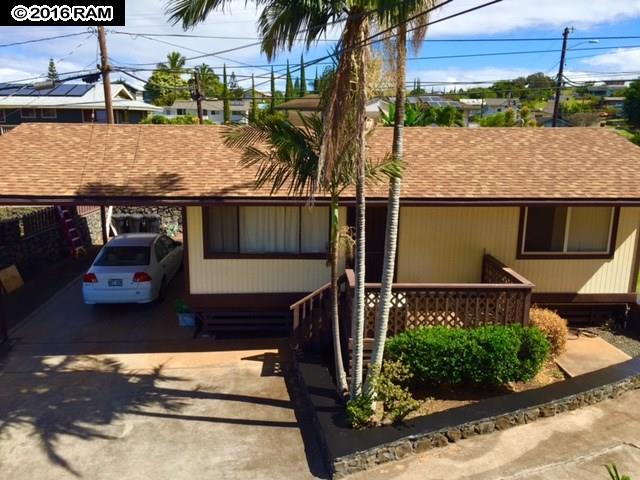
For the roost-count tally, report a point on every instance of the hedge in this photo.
(490, 355)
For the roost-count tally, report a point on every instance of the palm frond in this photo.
(191, 12)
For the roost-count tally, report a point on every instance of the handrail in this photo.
(313, 294)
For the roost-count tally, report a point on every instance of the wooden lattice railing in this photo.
(503, 297)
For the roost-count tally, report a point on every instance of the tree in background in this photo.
(211, 85)
(235, 91)
(226, 108)
(253, 113)
(417, 89)
(632, 104)
(316, 84)
(52, 72)
(175, 62)
(303, 78)
(289, 88)
(272, 102)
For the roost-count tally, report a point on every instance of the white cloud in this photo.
(509, 16)
(515, 15)
(622, 59)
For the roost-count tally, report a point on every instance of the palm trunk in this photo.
(341, 376)
(393, 213)
(358, 318)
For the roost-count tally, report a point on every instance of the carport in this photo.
(123, 391)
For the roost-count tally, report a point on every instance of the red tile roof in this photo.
(191, 163)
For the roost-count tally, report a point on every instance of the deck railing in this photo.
(503, 297)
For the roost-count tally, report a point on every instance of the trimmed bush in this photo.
(490, 355)
(553, 326)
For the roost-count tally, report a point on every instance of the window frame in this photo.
(608, 254)
(50, 117)
(34, 110)
(208, 254)
(3, 115)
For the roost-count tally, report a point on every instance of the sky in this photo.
(590, 57)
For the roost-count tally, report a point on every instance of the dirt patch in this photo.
(446, 397)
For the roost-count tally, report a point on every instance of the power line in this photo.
(44, 39)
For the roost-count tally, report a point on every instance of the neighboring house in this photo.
(615, 103)
(471, 109)
(69, 103)
(310, 104)
(211, 110)
(560, 207)
(607, 89)
(491, 106)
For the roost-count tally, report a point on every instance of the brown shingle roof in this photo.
(191, 162)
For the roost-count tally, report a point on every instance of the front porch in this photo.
(502, 297)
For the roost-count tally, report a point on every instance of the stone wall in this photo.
(31, 252)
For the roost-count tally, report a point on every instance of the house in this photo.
(310, 104)
(611, 88)
(616, 104)
(211, 110)
(491, 106)
(471, 109)
(69, 103)
(559, 207)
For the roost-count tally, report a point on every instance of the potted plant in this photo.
(186, 318)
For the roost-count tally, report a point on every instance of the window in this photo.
(123, 257)
(161, 250)
(87, 116)
(3, 118)
(204, 112)
(48, 113)
(266, 231)
(28, 113)
(559, 232)
(182, 111)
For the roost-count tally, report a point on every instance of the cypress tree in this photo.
(288, 91)
(52, 72)
(316, 83)
(419, 90)
(254, 105)
(296, 87)
(303, 78)
(226, 113)
(272, 104)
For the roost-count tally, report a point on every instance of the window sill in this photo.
(265, 256)
(565, 256)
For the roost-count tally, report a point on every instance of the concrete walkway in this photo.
(570, 446)
(586, 354)
(123, 392)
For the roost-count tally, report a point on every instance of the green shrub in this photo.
(489, 355)
(391, 390)
(360, 412)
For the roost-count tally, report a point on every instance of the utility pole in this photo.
(105, 69)
(559, 82)
(198, 95)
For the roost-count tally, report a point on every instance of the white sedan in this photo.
(132, 268)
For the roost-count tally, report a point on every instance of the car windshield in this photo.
(123, 257)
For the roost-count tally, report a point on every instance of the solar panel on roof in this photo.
(60, 90)
(79, 90)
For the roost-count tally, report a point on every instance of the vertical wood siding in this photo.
(445, 244)
(210, 276)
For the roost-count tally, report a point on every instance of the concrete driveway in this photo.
(123, 392)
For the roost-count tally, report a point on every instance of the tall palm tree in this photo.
(403, 16)
(282, 23)
(175, 62)
(286, 156)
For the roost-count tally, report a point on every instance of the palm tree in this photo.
(286, 156)
(403, 16)
(281, 24)
(175, 62)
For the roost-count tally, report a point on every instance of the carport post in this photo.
(103, 224)
(4, 330)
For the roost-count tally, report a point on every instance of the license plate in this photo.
(115, 282)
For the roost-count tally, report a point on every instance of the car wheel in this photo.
(162, 294)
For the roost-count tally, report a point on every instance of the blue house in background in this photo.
(69, 103)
